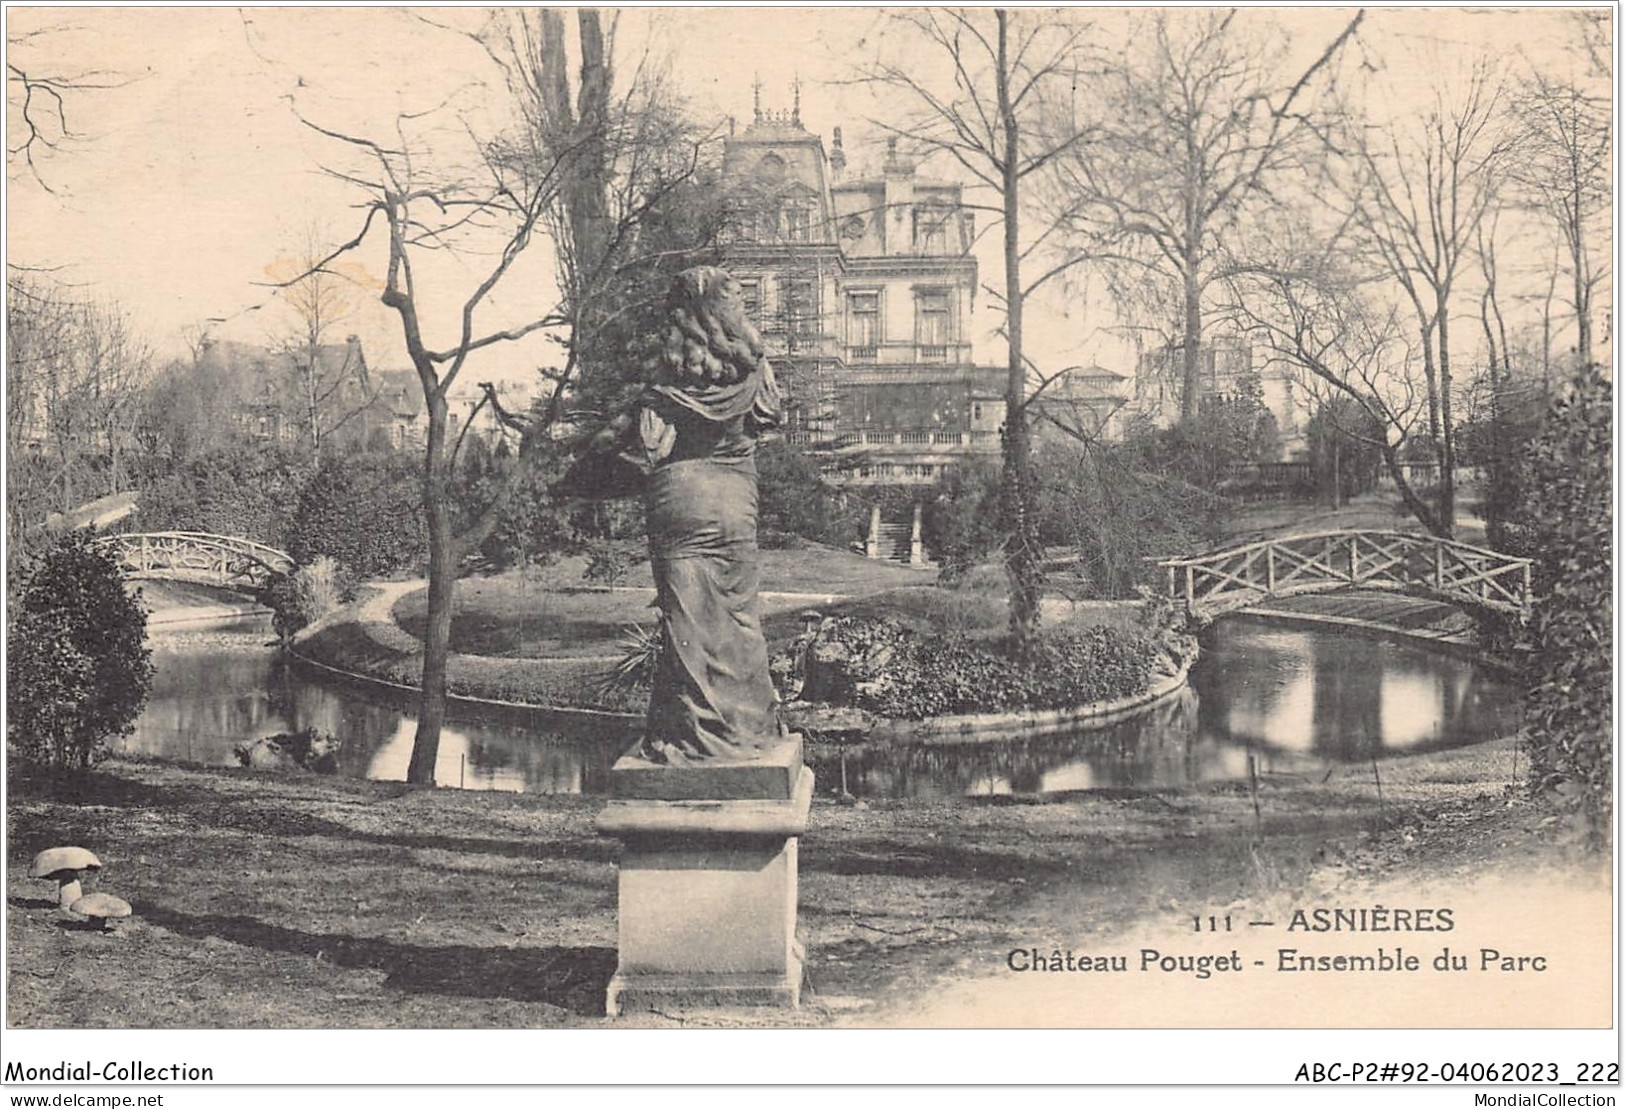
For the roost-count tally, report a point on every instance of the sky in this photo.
(193, 175)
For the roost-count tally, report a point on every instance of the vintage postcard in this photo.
(1087, 520)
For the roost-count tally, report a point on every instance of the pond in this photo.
(1289, 700)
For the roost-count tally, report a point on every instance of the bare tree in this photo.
(75, 369)
(631, 209)
(331, 379)
(1191, 133)
(545, 178)
(39, 95)
(1007, 78)
(1331, 328)
(1425, 185)
(1563, 152)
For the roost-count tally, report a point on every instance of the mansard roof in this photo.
(777, 156)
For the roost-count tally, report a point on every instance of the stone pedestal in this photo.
(708, 880)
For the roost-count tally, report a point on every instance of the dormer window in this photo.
(796, 224)
(931, 228)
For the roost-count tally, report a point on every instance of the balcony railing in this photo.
(902, 352)
(911, 437)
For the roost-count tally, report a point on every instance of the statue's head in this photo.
(709, 339)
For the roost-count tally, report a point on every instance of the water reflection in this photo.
(208, 699)
(1291, 700)
(1342, 697)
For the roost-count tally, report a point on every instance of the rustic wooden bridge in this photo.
(239, 564)
(1224, 581)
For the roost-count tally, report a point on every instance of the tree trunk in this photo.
(1447, 439)
(589, 178)
(1417, 506)
(1582, 306)
(1022, 556)
(584, 130)
(313, 403)
(1337, 470)
(1190, 397)
(442, 582)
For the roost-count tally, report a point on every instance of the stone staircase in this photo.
(894, 542)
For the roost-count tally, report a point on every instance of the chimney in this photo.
(837, 155)
(896, 164)
(899, 172)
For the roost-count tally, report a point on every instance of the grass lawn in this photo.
(1381, 510)
(549, 613)
(288, 900)
(539, 616)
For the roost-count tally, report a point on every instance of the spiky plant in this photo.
(635, 670)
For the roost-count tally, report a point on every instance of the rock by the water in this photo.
(819, 721)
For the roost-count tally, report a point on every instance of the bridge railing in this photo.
(1226, 580)
(198, 556)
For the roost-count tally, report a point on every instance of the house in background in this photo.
(275, 391)
(359, 406)
(398, 419)
(1083, 402)
(1227, 370)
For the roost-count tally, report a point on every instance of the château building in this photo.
(864, 287)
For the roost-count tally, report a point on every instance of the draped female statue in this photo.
(690, 443)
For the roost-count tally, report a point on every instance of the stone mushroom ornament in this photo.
(66, 866)
(101, 910)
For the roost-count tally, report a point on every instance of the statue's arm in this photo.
(768, 410)
(614, 463)
(656, 437)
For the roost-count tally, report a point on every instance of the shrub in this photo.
(299, 599)
(1343, 456)
(610, 560)
(364, 510)
(250, 491)
(879, 665)
(1569, 700)
(640, 657)
(1116, 505)
(77, 668)
(944, 676)
(534, 527)
(796, 504)
(1088, 665)
(960, 525)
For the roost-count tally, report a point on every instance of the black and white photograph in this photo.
(590, 534)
